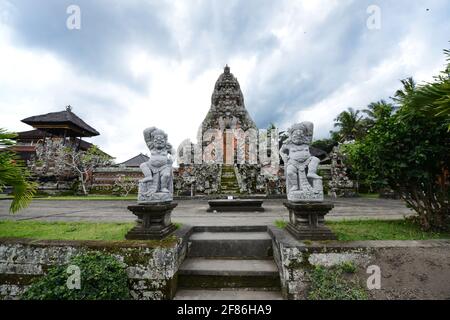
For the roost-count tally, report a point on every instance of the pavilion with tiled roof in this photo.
(63, 123)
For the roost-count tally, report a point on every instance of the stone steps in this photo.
(228, 273)
(231, 245)
(229, 263)
(228, 182)
(227, 294)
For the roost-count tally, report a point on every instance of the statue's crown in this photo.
(306, 127)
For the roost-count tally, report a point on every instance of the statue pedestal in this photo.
(153, 222)
(307, 220)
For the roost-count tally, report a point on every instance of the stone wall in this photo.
(151, 266)
(409, 269)
(103, 179)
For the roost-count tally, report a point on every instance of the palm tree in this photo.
(432, 97)
(409, 87)
(376, 111)
(13, 174)
(350, 125)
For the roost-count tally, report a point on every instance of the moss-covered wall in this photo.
(151, 265)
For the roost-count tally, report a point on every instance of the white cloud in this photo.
(303, 60)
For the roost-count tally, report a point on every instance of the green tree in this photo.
(349, 124)
(409, 151)
(325, 144)
(14, 174)
(376, 111)
(431, 98)
(82, 162)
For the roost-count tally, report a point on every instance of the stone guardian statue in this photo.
(157, 184)
(302, 182)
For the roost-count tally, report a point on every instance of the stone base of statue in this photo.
(147, 194)
(153, 221)
(310, 192)
(307, 220)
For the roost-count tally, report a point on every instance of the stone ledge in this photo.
(181, 233)
(287, 240)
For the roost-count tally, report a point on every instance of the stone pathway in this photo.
(193, 212)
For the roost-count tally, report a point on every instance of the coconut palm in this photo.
(14, 175)
(409, 87)
(376, 111)
(350, 125)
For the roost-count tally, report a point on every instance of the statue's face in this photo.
(297, 136)
(159, 141)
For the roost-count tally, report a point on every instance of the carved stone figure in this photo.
(157, 185)
(302, 181)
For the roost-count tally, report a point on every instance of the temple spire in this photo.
(226, 70)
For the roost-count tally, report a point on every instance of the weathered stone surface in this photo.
(153, 222)
(227, 106)
(151, 269)
(302, 181)
(307, 220)
(157, 185)
(340, 184)
(406, 266)
(222, 205)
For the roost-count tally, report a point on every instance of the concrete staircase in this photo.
(229, 264)
(228, 181)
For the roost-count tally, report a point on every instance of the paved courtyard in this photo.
(193, 212)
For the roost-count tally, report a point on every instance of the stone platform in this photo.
(307, 220)
(235, 205)
(153, 221)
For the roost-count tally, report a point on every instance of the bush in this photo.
(102, 278)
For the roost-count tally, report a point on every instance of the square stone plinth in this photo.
(307, 220)
(153, 221)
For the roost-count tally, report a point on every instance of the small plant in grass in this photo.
(332, 284)
(281, 224)
(102, 277)
(348, 267)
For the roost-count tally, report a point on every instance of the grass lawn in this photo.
(377, 230)
(369, 195)
(64, 230)
(89, 197)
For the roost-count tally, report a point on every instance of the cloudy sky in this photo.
(135, 64)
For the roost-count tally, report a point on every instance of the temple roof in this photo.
(227, 109)
(35, 135)
(62, 123)
(135, 161)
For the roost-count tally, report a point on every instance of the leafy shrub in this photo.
(102, 278)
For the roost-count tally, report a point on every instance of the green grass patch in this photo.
(381, 230)
(335, 283)
(64, 230)
(358, 230)
(88, 198)
(369, 195)
(281, 224)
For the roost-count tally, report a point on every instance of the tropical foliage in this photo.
(13, 174)
(350, 126)
(102, 277)
(409, 150)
